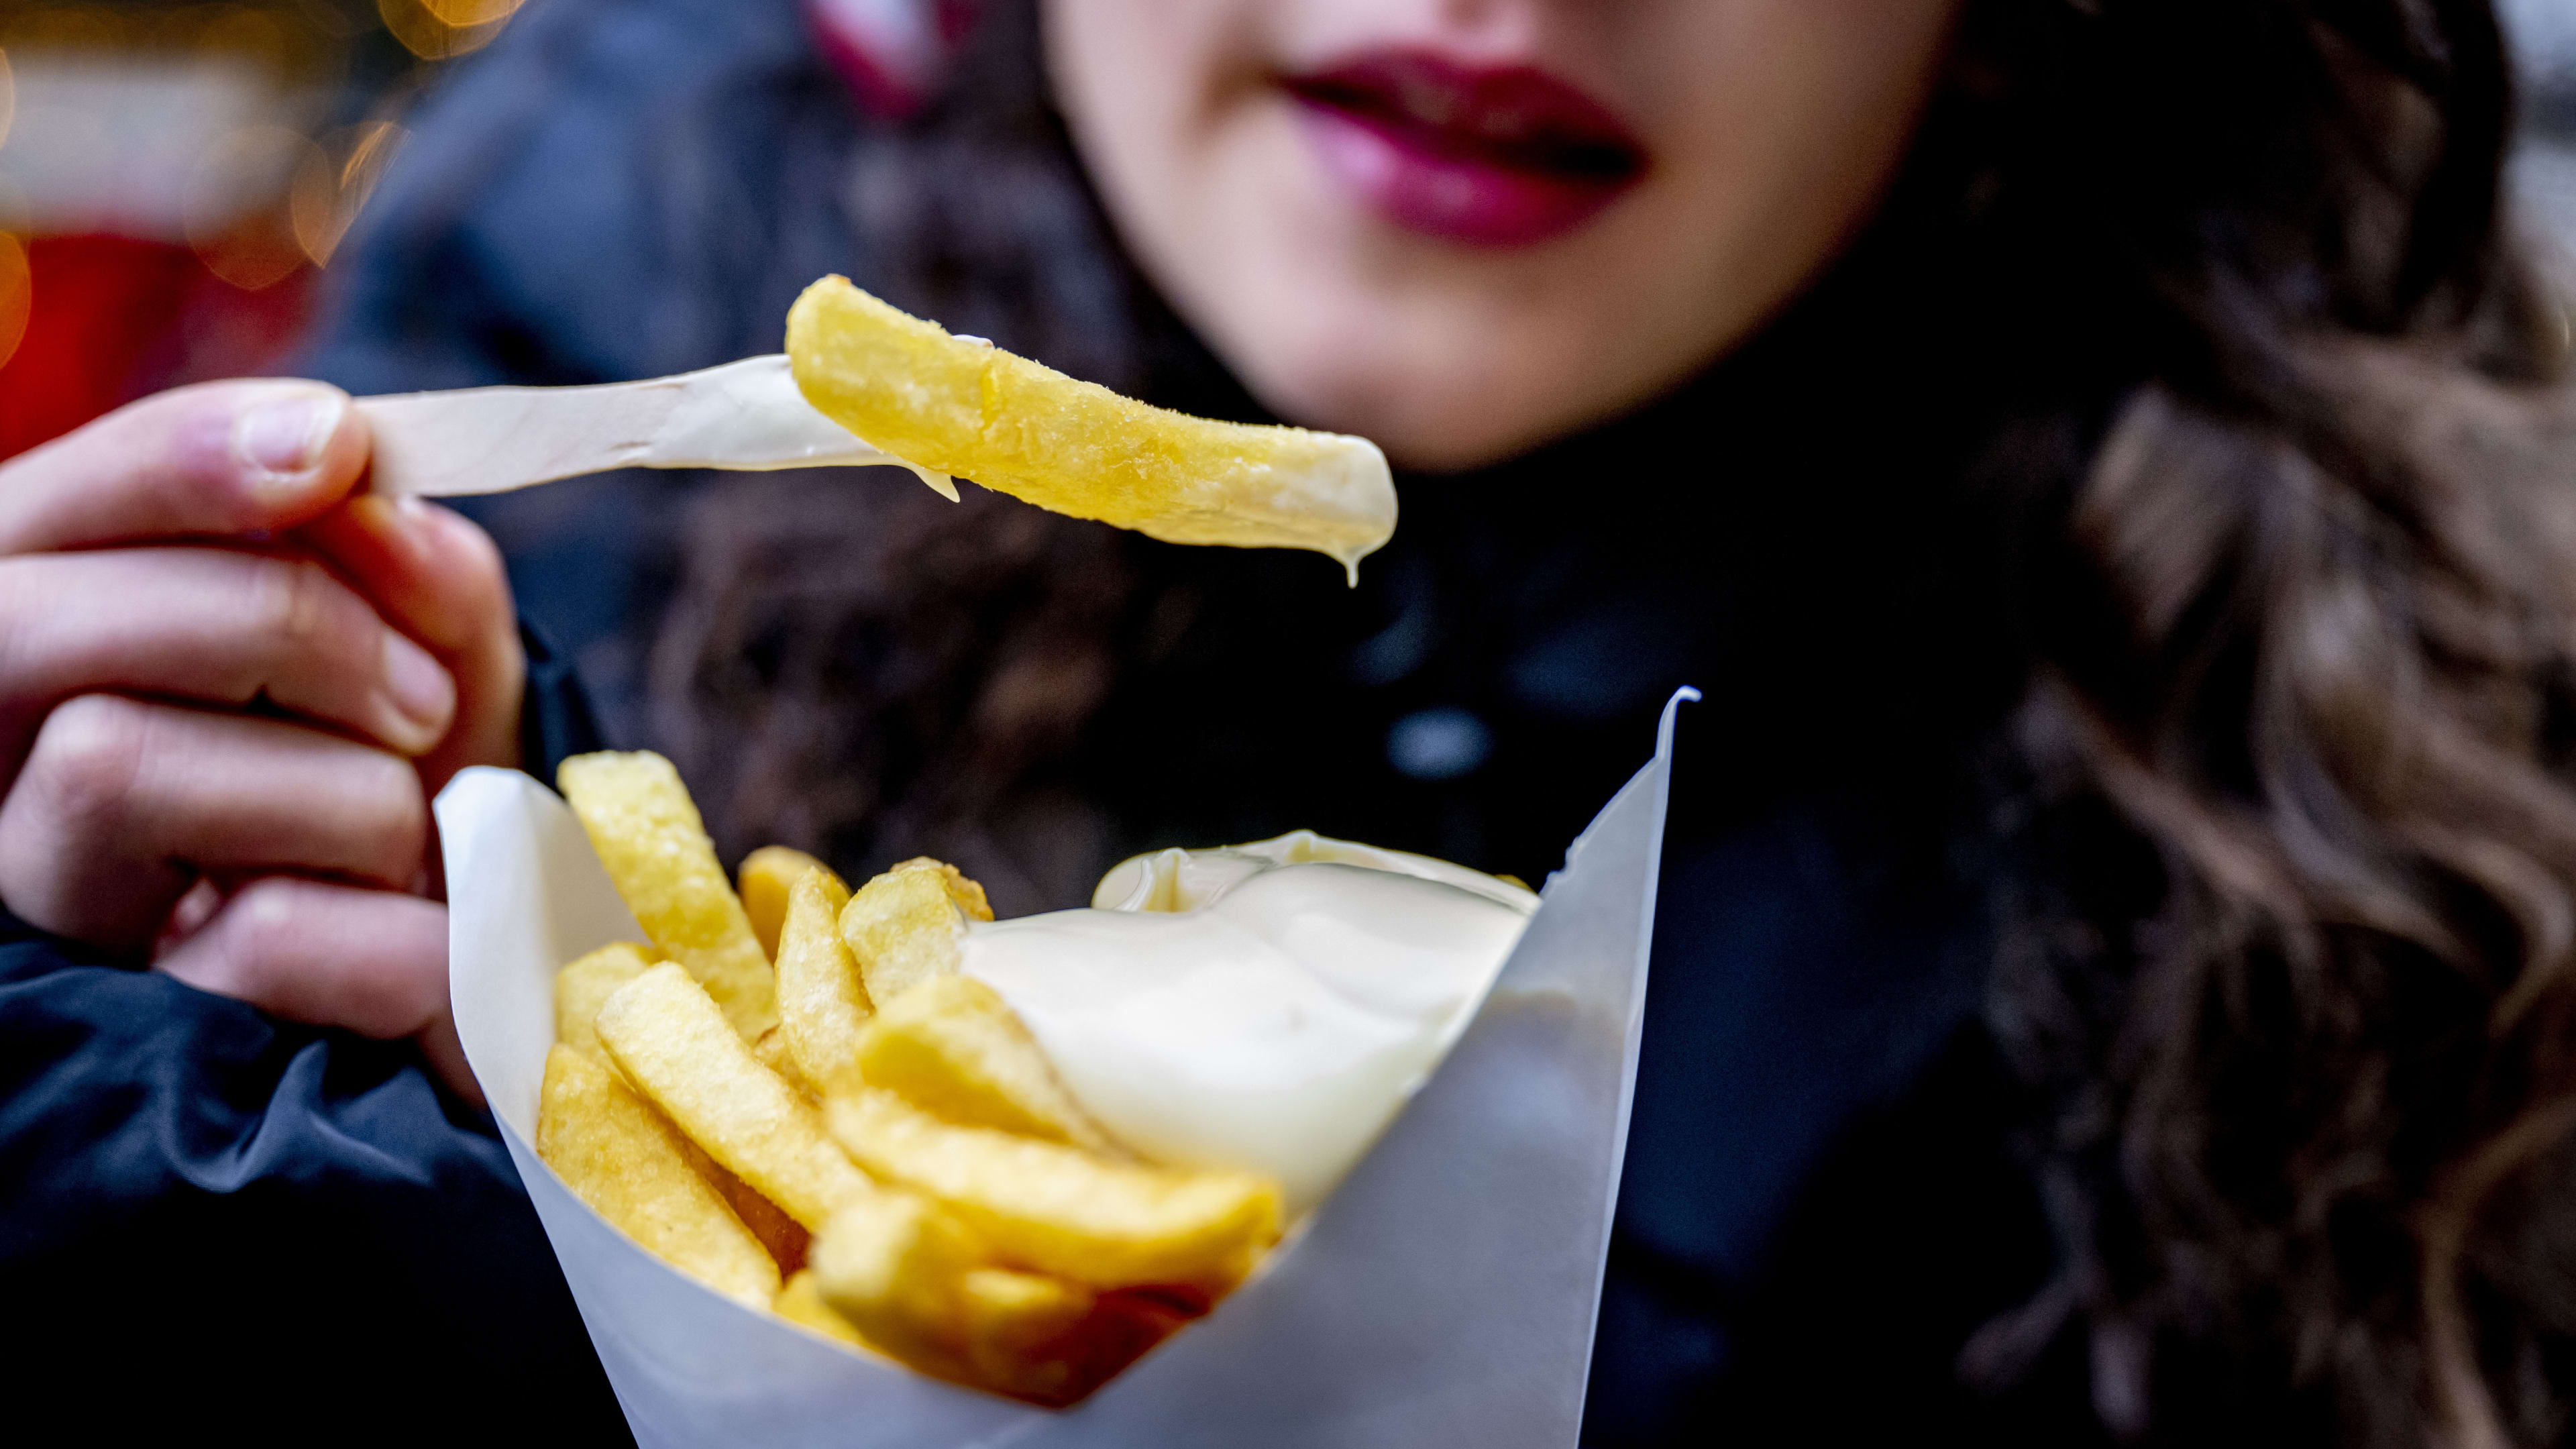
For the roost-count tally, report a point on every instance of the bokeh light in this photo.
(230, 210)
(329, 194)
(445, 29)
(17, 294)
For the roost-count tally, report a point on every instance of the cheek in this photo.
(1152, 89)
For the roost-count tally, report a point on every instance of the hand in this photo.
(227, 689)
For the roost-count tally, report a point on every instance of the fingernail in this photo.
(285, 436)
(419, 687)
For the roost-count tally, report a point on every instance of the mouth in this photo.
(1493, 156)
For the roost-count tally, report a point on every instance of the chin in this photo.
(1439, 396)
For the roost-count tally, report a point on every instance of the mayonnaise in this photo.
(1268, 1006)
(749, 415)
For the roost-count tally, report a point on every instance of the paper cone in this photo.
(1443, 1295)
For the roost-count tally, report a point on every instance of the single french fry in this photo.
(618, 1155)
(890, 1262)
(952, 1047)
(583, 986)
(902, 927)
(764, 879)
(961, 405)
(666, 1034)
(800, 1302)
(822, 1003)
(649, 835)
(1059, 1209)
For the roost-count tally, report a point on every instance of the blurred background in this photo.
(175, 175)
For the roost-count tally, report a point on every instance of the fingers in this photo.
(216, 625)
(317, 951)
(439, 577)
(335, 955)
(223, 458)
(122, 804)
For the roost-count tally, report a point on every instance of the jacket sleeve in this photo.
(209, 1216)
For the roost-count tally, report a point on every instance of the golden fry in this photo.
(766, 876)
(1018, 1332)
(952, 1047)
(671, 1041)
(822, 1003)
(582, 987)
(964, 406)
(1059, 1209)
(890, 1262)
(619, 1156)
(649, 836)
(770, 1050)
(785, 1239)
(902, 927)
(800, 1302)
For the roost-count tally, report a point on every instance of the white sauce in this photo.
(748, 415)
(1268, 1006)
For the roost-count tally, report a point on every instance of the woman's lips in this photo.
(1484, 155)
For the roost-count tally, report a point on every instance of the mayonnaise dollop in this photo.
(1266, 1006)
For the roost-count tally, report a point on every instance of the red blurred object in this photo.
(110, 318)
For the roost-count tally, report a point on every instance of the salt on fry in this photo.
(902, 927)
(586, 984)
(648, 834)
(619, 1156)
(822, 1002)
(952, 1047)
(1059, 1209)
(764, 879)
(667, 1035)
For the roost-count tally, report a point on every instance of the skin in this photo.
(195, 606)
(1772, 126)
(192, 609)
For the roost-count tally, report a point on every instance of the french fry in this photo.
(582, 987)
(822, 1003)
(785, 1239)
(1020, 1333)
(619, 1156)
(961, 405)
(952, 1047)
(890, 1262)
(902, 927)
(770, 1050)
(667, 1035)
(764, 879)
(800, 1302)
(649, 835)
(1059, 1209)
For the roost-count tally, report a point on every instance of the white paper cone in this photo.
(1443, 1295)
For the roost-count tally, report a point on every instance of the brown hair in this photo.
(2297, 977)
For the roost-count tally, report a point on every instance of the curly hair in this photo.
(2285, 959)
(2295, 982)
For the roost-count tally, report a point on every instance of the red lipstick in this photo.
(1493, 156)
